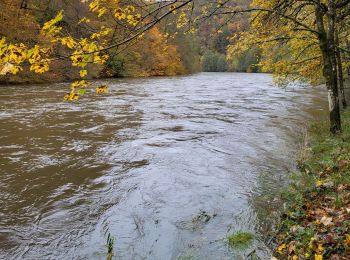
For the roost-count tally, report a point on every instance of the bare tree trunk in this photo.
(24, 4)
(340, 71)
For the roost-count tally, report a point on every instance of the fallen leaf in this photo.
(320, 248)
(329, 239)
(291, 247)
(318, 257)
(347, 240)
(328, 184)
(281, 248)
(326, 221)
(319, 183)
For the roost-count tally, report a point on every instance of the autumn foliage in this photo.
(88, 45)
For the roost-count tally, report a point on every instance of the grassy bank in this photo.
(316, 224)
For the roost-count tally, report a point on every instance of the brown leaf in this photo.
(341, 188)
(335, 257)
(291, 247)
(329, 238)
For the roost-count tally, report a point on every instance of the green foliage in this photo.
(325, 146)
(221, 41)
(247, 61)
(110, 246)
(240, 239)
(214, 62)
(116, 64)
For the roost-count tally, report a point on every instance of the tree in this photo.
(105, 26)
(214, 62)
(304, 33)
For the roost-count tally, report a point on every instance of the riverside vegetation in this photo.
(317, 222)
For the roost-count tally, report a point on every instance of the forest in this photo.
(227, 59)
(183, 52)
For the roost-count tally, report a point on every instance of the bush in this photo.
(247, 61)
(214, 62)
(116, 65)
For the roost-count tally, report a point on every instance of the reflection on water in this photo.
(144, 162)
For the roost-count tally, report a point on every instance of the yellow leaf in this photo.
(281, 248)
(71, 97)
(101, 11)
(50, 26)
(318, 257)
(83, 73)
(101, 90)
(320, 248)
(319, 183)
(347, 240)
(6, 68)
(68, 41)
(84, 20)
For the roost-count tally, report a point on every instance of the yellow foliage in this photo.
(182, 20)
(102, 89)
(90, 46)
(287, 52)
(281, 248)
(50, 27)
(79, 84)
(71, 97)
(68, 41)
(318, 257)
(40, 67)
(119, 14)
(83, 73)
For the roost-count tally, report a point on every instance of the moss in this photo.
(240, 239)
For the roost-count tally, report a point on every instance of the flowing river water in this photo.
(167, 166)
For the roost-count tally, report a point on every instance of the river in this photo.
(167, 166)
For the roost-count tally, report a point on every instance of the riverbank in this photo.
(316, 224)
(53, 78)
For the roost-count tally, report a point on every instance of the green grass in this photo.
(324, 145)
(240, 239)
(110, 246)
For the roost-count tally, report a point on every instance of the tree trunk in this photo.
(327, 46)
(333, 95)
(348, 56)
(340, 72)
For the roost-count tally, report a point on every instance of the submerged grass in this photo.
(317, 222)
(110, 246)
(240, 239)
